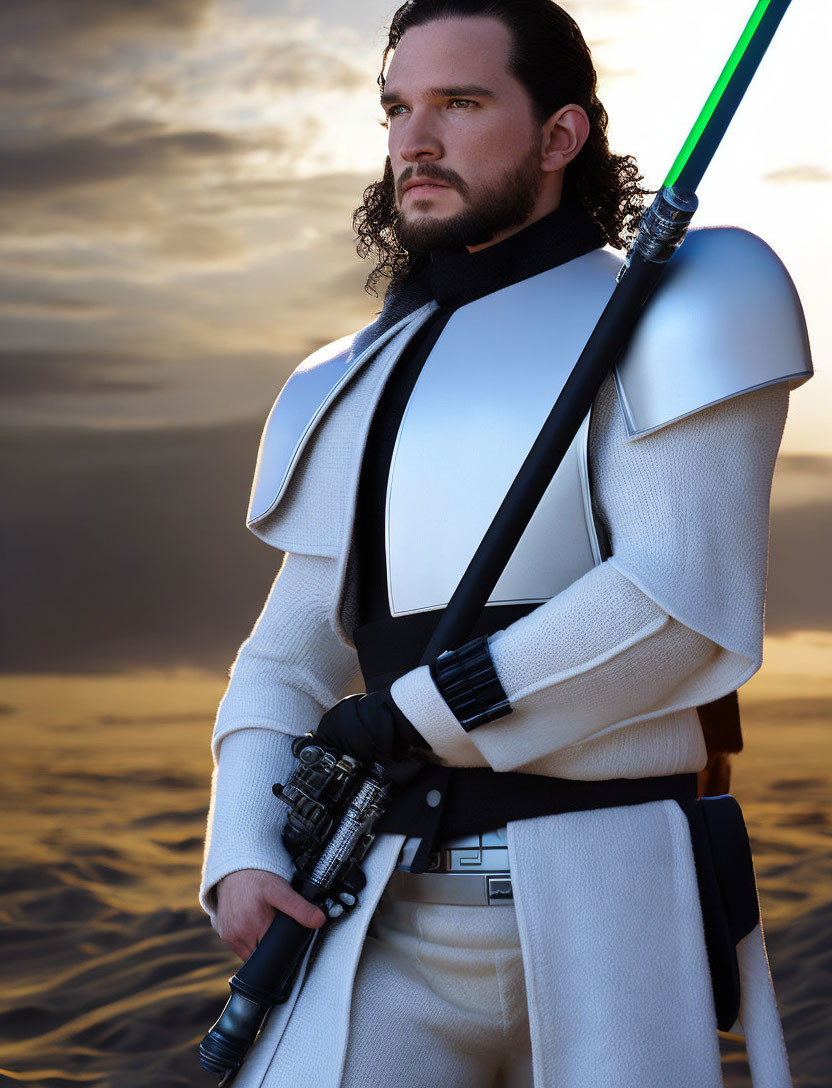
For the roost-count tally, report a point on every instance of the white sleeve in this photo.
(672, 620)
(289, 671)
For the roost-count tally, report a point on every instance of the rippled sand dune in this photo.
(111, 974)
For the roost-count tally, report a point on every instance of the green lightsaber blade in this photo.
(709, 128)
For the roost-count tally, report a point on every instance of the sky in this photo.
(177, 179)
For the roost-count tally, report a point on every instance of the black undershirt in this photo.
(388, 646)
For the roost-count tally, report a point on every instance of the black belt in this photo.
(443, 803)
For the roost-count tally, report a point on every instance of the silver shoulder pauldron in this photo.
(298, 410)
(725, 319)
(292, 419)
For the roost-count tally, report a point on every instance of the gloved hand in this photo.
(369, 727)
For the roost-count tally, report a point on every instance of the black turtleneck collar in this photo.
(458, 277)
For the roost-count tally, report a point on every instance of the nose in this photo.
(420, 141)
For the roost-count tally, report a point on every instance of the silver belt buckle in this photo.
(452, 889)
(468, 871)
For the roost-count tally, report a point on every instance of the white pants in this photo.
(439, 1000)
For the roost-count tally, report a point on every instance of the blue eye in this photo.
(391, 111)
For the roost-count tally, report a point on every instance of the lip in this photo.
(423, 183)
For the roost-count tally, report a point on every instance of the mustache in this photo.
(432, 172)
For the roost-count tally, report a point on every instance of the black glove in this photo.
(369, 727)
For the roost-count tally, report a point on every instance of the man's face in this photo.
(464, 143)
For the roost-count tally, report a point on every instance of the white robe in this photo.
(603, 680)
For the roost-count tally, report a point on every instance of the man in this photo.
(634, 597)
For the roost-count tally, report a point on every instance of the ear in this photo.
(562, 137)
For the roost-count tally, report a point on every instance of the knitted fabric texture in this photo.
(618, 989)
(680, 601)
(575, 668)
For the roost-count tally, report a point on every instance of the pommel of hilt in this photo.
(224, 1047)
(665, 223)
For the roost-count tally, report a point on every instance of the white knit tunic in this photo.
(603, 680)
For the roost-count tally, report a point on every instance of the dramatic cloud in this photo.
(16, 302)
(110, 156)
(84, 26)
(221, 306)
(112, 392)
(26, 85)
(289, 66)
(25, 374)
(178, 176)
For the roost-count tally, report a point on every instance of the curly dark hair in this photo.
(552, 61)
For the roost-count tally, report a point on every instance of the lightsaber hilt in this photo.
(267, 977)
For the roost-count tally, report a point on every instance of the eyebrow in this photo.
(470, 91)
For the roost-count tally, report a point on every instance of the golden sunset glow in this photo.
(177, 181)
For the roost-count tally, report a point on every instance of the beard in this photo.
(503, 205)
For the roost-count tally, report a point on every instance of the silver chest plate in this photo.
(479, 403)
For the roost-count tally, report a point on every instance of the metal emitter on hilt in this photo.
(664, 225)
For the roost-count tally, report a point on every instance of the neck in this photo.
(457, 276)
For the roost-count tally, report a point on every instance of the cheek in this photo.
(505, 143)
(489, 143)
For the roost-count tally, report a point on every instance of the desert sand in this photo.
(111, 973)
